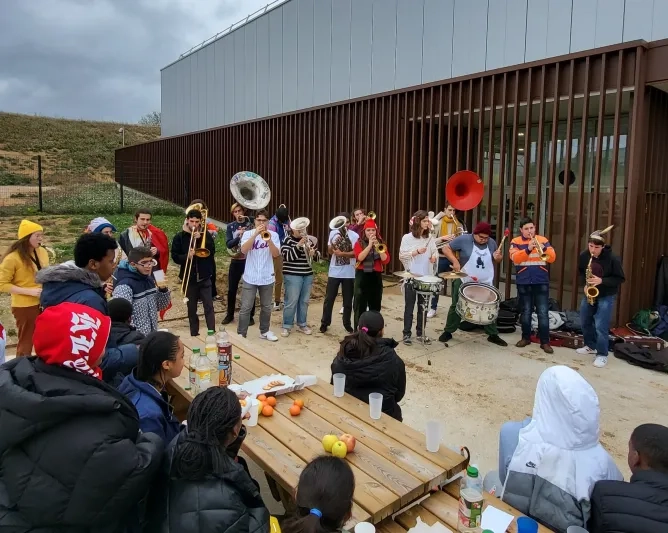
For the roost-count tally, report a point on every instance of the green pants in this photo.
(453, 320)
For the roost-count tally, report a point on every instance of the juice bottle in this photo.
(192, 372)
(211, 350)
(203, 370)
(224, 357)
(470, 502)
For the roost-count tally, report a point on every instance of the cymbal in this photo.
(403, 274)
(452, 275)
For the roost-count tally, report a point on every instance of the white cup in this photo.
(365, 527)
(375, 405)
(252, 421)
(433, 434)
(339, 384)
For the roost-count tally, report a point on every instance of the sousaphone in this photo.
(249, 190)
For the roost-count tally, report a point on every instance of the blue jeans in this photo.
(538, 296)
(595, 321)
(297, 294)
(444, 265)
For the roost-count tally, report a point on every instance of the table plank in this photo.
(408, 518)
(389, 526)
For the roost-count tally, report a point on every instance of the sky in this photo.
(100, 59)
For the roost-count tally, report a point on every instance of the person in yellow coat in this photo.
(18, 267)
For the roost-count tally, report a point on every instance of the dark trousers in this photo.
(347, 288)
(233, 278)
(214, 289)
(453, 320)
(200, 290)
(444, 265)
(368, 293)
(409, 305)
(535, 296)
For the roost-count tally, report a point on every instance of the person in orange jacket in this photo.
(533, 280)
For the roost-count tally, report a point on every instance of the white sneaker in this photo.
(269, 336)
(305, 330)
(285, 332)
(341, 311)
(585, 350)
(277, 306)
(600, 361)
(431, 313)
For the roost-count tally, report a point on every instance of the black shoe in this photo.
(227, 320)
(349, 329)
(407, 340)
(252, 322)
(323, 329)
(445, 337)
(195, 334)
(495, 339)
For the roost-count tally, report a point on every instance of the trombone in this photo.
(200, 251)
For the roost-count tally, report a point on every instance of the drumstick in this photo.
(506, 233)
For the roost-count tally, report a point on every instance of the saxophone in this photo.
(591, 293)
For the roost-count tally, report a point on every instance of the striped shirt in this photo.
(259, 268)
(294, 258)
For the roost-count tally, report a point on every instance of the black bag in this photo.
(643, 357)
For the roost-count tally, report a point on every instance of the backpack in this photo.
(644, 321)
(643, 357)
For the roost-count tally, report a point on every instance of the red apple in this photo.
(349, 441)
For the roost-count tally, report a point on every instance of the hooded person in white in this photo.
(559, 458)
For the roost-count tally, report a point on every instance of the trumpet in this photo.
(591, 292)
(541, 251)
(200, 251)
(371, 215)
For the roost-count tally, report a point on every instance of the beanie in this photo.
(370, 224)
(482, 227)
(282, 214)
(98, 224)
(28, 228)
(72, 336)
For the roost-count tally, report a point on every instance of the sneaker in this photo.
(285, 332)
(227, 320)
(431, 313)
(585, 350)
(407, 340)
(323, 329)
(547, 348)
(304, 329)
(522, 343)
(269, 336)
(277, 306)
(424, 339)
(445, 337)
(600, 361)
(341, 311)
(217, 298)
(495, 339)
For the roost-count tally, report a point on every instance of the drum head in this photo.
(479, 293)
(430, 279)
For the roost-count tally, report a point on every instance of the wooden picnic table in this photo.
(391, 464)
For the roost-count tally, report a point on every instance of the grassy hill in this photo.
(66, 146)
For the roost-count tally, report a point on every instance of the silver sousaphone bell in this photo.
(250, 190)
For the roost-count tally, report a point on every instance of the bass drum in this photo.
(478, 303)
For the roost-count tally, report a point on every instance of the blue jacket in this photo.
(155, 414)
(69, 283)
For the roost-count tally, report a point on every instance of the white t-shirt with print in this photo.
(259, 268)
(342, 267)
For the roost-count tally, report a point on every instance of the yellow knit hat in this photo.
(27, 227)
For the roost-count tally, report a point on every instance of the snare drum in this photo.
(427, 284)
(478, 303)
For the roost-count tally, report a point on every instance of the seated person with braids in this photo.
(371, 365)
(324, 497)
(204, 487)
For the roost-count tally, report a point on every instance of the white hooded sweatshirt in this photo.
(559, 458)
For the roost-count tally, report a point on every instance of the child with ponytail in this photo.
(371, 364)
(324, 497)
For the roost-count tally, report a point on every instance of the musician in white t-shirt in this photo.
(418, 253)
(258, 275)
(341, 272)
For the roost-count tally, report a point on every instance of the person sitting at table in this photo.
(324, 497)
(371, 364)
(204, 487)
(558, 457)
(160, 359)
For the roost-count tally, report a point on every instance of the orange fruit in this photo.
(271, 401)
(267, 410)
(262, 397)
(300, 403)
(295, 410)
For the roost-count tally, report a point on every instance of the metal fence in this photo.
(34, 184)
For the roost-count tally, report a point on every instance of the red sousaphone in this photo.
(464, 190)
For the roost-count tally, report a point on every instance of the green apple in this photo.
(339, 449)
(328, 442)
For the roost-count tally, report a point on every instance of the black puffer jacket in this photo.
(640, 506)
(71, 456)
(383, 371)
(606, 266)
(226, 501)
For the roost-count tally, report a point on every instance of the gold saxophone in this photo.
(590, 292)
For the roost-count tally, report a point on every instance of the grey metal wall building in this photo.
(306, 53)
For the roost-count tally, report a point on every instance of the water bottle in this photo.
(224, 357)
(192, 371)
(470, 502)
(203, 370)
(211, 350)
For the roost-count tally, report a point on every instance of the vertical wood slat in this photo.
(553, 152)
(481, 128)
(440, 183)
(510, 223)
(502, 166)
(491, 150)
(418, 176)
(527, 146)
(430, 200)
(539, 148)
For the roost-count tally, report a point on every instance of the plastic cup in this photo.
(339, 384)
(526, 525)
(433, 435)
(375, 405)
(252, 421)
(365, 527)
(576, 529)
